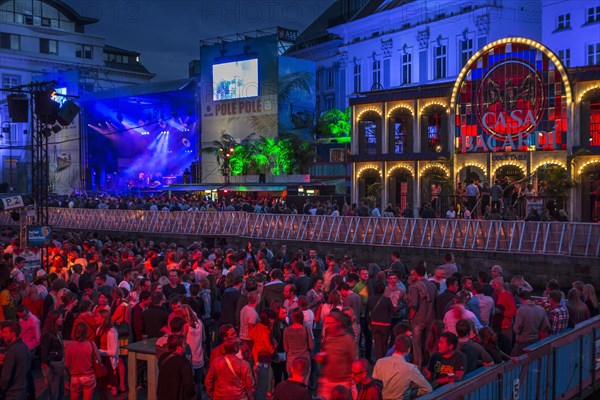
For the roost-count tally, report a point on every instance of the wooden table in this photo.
(145, 351)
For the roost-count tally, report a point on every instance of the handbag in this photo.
(99, 369)
(122, 327)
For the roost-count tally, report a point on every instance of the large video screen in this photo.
(235, 80)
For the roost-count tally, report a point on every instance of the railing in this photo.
(559, 367)
(552, 238)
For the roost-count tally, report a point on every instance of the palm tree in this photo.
(224, 149)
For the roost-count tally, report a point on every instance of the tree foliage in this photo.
(333, 124)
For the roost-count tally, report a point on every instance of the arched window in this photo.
(369, 126)
(434, 125)
(400, 126)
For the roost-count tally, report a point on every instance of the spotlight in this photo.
(46, 132)
(15, 216)
(56, 128)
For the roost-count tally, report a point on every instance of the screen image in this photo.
(235, 80)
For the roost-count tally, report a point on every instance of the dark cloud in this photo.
(167, 33)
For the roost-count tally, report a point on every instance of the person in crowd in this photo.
(297, 339)
(296, 386)
(155, 317)
(52, 355)
(475, 354)
(121, 319)
(195, 338)
(79, 359)
(107, 341)
(228, 376)
(380, 309)
(506, 309)
(590, 299)
(578, 310)
(558, 316)
(446, 298)
(399, 377)
(336, 357)
(530, 323)
(489, 341)
(30, 335)
(175, 377)
(447, 365)
(421, 294)
(15, 363)
(485, 303)
(263, 350)
(458, 311)
(367, 387)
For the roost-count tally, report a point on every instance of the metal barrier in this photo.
(552, 238)
(559, 367)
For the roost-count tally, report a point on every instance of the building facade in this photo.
(46, 40)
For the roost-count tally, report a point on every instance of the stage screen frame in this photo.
(248, 88)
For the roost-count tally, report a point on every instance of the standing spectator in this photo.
(302, 281)
(263, 348)
(107, 341)
(291, 300)
(590, 299)
(30, 335)
(447, 365)
(496, 195)
(530, 322)
(79, 356)
(397, 375)
(486, 303)
(273, 290)
(506, 307)
(173, 287)
(297, 339)
(10, 296)
(228, 376)
(194, 337)
(559, 315)
(421, 302)
(155, 317)
(489, 341)
(473, 195)
(295, 387)
(16, 362)
(368, 388)
(446, 298)
(336, 357)
(248, 318)
(52, 356)
(457, 311)
(230, 298)
(137, 322)
(175, 377)
(475, 354)
(351, 299)
(396, 292)
(578, 311)
(398, 266)
(380, 309)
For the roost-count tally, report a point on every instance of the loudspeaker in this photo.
(67, 113)
(46, 109)
(18, 107)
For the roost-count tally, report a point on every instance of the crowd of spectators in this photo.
(259, 322)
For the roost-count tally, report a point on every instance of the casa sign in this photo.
(511, 100)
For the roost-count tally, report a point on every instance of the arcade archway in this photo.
(400, 187)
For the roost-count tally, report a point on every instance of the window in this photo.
(376, 73)
(399, 137)
(10, 80)
(439, 55)
(48, 46)
(329, 102)
(10, 41)
(593, 14)
(356, 78)
(593, 54)
(337, 155)
(330, 78)
(370, 137)
(84, 51)
(406, 68)
(595, 123)
(466, 51)
(564, 21)
(433, 133)
(565, 57)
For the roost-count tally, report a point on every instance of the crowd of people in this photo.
(485, 203)
(255, 323)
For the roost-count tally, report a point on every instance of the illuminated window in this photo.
(593, 54)
(440, 61)
(399, 137)
(433, 132)
(565, 57)
(406, 68)
(10, 80)
(337, 155)
(593, 14)
(564, 21)
(595, 123)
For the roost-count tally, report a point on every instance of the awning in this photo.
(255, 188)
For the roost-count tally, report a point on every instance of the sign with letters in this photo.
(512, 99)
(12, 202)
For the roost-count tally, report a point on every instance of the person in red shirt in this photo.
(505, 302)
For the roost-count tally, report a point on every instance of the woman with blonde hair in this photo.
(590, 299)
(107, 341)
(194, 337)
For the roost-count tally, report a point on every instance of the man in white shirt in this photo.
(398, 375)
(248, 317)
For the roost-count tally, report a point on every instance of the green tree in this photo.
(334, 123)
(225, 149)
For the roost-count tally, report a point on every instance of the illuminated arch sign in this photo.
(511, 96)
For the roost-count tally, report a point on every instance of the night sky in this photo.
(168, 32)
